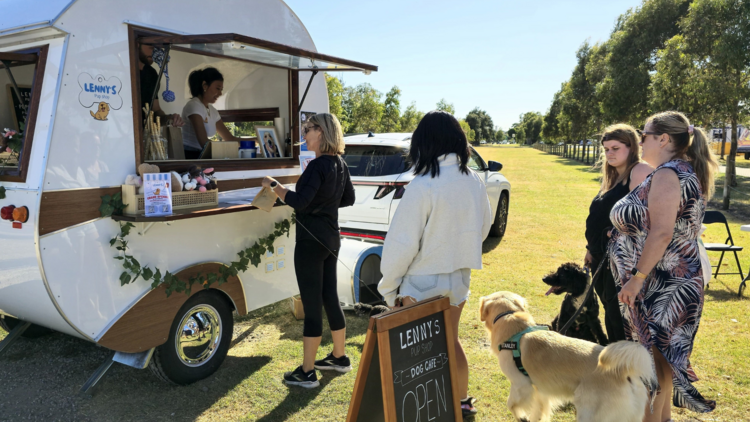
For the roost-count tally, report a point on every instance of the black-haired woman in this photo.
(435, 238)
(202, 120)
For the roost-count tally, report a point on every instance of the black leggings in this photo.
(316, 277)
(605, 287)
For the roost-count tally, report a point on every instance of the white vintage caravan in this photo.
(57, 268)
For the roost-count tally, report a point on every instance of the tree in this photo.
(467, 130)
(500, 134)
(391, 120)
(551, 122)
(481, 123)
(520, 135)
(442, 105)
(717, 32)
(531, 123)
(366, 108)
(631, 50)
(411, 118)
(336, 99)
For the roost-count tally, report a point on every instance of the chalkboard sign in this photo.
(407, 370)
(19, 108)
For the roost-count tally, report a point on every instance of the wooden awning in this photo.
(256, 50)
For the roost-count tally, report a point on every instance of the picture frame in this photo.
(269, 141)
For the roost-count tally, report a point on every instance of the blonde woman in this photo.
(622, 171)
(324, 187)
(654, 251)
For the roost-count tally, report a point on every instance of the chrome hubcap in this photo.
(198, 335)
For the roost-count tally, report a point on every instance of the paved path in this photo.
(738, 171)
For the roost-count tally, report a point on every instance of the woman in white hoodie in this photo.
(435, 238)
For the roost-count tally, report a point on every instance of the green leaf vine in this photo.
(112, 205)
(132, 269)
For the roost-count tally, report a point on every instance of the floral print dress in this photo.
(668, 309)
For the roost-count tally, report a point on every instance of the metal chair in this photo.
(715, 217)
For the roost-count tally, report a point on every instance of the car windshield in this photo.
(374, 160)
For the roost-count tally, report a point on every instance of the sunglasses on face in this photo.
(306, 129)
(643, 134)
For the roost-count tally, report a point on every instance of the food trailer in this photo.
(75, 66)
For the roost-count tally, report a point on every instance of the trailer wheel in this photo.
(8, 323)
(747, 155)
(198, 340)
(501, 217)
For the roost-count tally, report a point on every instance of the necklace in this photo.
(208, 114)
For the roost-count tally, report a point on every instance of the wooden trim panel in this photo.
(239, 164)
(62, 209)
(147, 323)
(250, 115)
(59, 210)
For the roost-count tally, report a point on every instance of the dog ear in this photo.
(520, 301)
(482, 313)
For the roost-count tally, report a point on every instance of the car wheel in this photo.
(747, 155)
(8, 323)
(501, 217)
(198, 340)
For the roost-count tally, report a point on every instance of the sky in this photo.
(505, 57)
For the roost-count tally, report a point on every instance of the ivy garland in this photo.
(132, 269)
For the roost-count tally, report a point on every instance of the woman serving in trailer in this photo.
(202, 120)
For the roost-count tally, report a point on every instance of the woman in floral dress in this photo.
(654, 252)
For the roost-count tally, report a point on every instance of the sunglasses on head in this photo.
(306, 129)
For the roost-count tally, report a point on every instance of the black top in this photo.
(323, 188)
(149, 81)
(598, 221)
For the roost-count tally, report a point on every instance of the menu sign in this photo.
(407, 370)
(157, 194)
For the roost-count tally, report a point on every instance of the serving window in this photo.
(259, 107)
(21, 74)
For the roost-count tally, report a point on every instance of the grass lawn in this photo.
(548, 207)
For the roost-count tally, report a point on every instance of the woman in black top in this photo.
(324, 187)
(622, 171)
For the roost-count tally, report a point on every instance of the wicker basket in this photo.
(180, 200)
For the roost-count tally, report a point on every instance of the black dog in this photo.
(571, 279)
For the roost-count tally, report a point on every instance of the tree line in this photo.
(691, 56)
(363, 109)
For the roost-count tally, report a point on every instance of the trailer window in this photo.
(21, 75)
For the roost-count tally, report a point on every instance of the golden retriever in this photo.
(604, 383)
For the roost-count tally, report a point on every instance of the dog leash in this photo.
(590, 289)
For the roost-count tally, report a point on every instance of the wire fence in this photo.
(586, 154)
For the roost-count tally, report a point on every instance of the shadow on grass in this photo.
(490, 244)
(46, 374)
(719, 290)
(298, 399)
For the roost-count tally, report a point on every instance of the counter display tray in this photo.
(222, 208)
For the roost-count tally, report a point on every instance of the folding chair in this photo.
(714, 217)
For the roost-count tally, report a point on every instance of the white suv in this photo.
(378, 169)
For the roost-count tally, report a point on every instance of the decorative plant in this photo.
(132, 269)
(112, 205)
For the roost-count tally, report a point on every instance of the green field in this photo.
(548, 207)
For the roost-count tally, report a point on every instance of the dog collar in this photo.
(502, 315)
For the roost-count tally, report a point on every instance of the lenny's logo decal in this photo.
(100, 91)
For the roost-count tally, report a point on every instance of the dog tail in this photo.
(626, 359)
(92, 114)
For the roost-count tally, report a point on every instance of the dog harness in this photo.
(513, 343)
